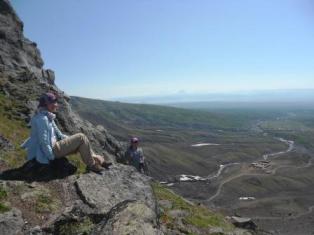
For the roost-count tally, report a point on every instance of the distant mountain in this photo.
(257, 106)
(280, 96)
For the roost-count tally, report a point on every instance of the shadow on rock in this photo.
(34, 171)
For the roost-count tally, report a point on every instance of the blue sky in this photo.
(107, 49)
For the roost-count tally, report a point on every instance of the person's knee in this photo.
(82, 137)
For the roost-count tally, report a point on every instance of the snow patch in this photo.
(191, 178)
(204, 144)
(246, 198)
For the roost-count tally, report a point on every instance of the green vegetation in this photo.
(297, 126)
(76, 160)
(305, 138)
(198, 216)
(45, 203)
(13, 129)
(76, 227)
(3, 193)
(3, 208)
(3, 197)
(144, 116)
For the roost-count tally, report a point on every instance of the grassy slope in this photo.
(154, 115)
(299, 127)
(197, 217)
(13, 129)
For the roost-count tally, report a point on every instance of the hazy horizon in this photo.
(278, 95)
(111, 49)
(258, 96)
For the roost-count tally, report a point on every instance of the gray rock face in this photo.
(11, 222)
(118, 185)
(119, 201)
(17, 52)
(165, 204)
(178, 213)
(35, 231)
(133, 218)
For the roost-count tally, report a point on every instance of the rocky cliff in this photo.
(118, 201)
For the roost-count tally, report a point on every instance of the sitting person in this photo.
(47, 143)
(134, 156)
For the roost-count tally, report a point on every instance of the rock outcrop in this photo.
(120, 184)
(11, 222)
(119, 201)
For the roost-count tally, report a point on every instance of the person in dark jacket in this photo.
(134, 156)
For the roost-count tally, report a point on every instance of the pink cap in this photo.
(134, 140)
(47, 98)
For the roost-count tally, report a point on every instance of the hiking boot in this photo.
(106, 165)
(95, 168)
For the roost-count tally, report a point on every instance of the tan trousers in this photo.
(77, 143)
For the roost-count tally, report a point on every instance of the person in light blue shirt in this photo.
(47, 142)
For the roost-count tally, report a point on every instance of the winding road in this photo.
(265, 157)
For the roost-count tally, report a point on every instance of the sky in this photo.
(123, 48)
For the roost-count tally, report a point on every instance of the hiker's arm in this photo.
(59, 134)
(43, 128)
(145, 165)
(127, 157)
(142, 154)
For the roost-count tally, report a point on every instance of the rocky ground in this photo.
(78, 204)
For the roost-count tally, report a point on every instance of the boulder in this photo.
(134, 218)
(11, 222)
(115, 186)
(242, 222)
(165, 204)
(178, 213)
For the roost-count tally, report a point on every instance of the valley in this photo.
(264, 155)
